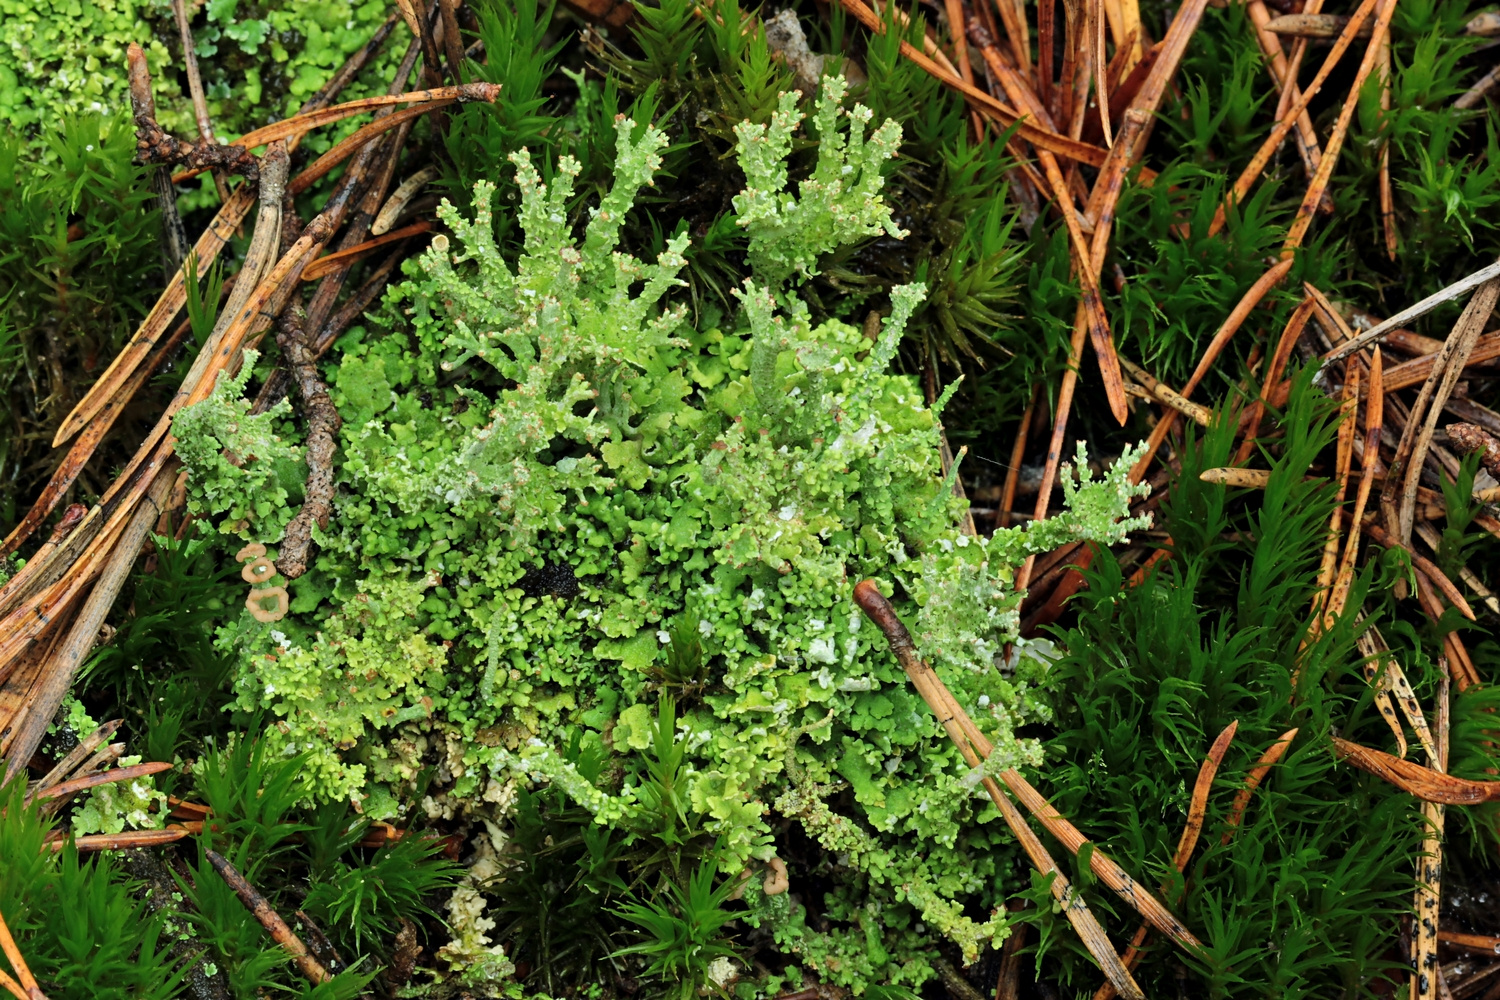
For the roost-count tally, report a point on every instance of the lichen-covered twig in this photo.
(269, 919)
(323, 423)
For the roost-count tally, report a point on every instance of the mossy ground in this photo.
(1308, 894)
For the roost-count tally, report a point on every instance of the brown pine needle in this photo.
(345, 258)
(1289, 336)
(972, 742)
(1257, 774)
(228, 219)
(1330, 154)
(1197, 809)
(1288, 120)
(1042, 138)
(13, 954)
(1425, 783)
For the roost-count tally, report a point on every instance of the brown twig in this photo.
(341, 259)
(1467, 439)
(323, 423)
(130, 840)
(1471, 98)
(57, 676)
(269, 919)
(83, 784)
(78, 755)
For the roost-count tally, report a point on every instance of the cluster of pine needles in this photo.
(1257, 235)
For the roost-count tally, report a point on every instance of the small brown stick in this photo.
(1467, 439)
(1197, 809)
(1319, 186)
(394, 206)
(323, 164)
(1008, 983)
(1236, 319)
(299, 124)
(1460, 667)
(357, 303)
(1376, 333)
(219, 232)
(269, 919)
(1046, 33)
(174, 246)
(1471, 98)
(879, 610)
(453, 46)
(1343, 460)
(1257, 774)
(1387, 199)
(23, 973)
(77, 755)
(345, 258)
(1434, 541)
(83, 784)
(1289, 119)
(323, 423)
(1017, 455)
(1478, 943)
(1411, 452)
(195, 88)
(11, 986)
(1425, 783)
(129, 840)
(1419, 369)
(1369, 464)
(1430, 872)
(1312, 26)
(1017, 35)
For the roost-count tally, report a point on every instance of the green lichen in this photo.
(112, 808)
(545, 468)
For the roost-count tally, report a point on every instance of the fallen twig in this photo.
(269, 919)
